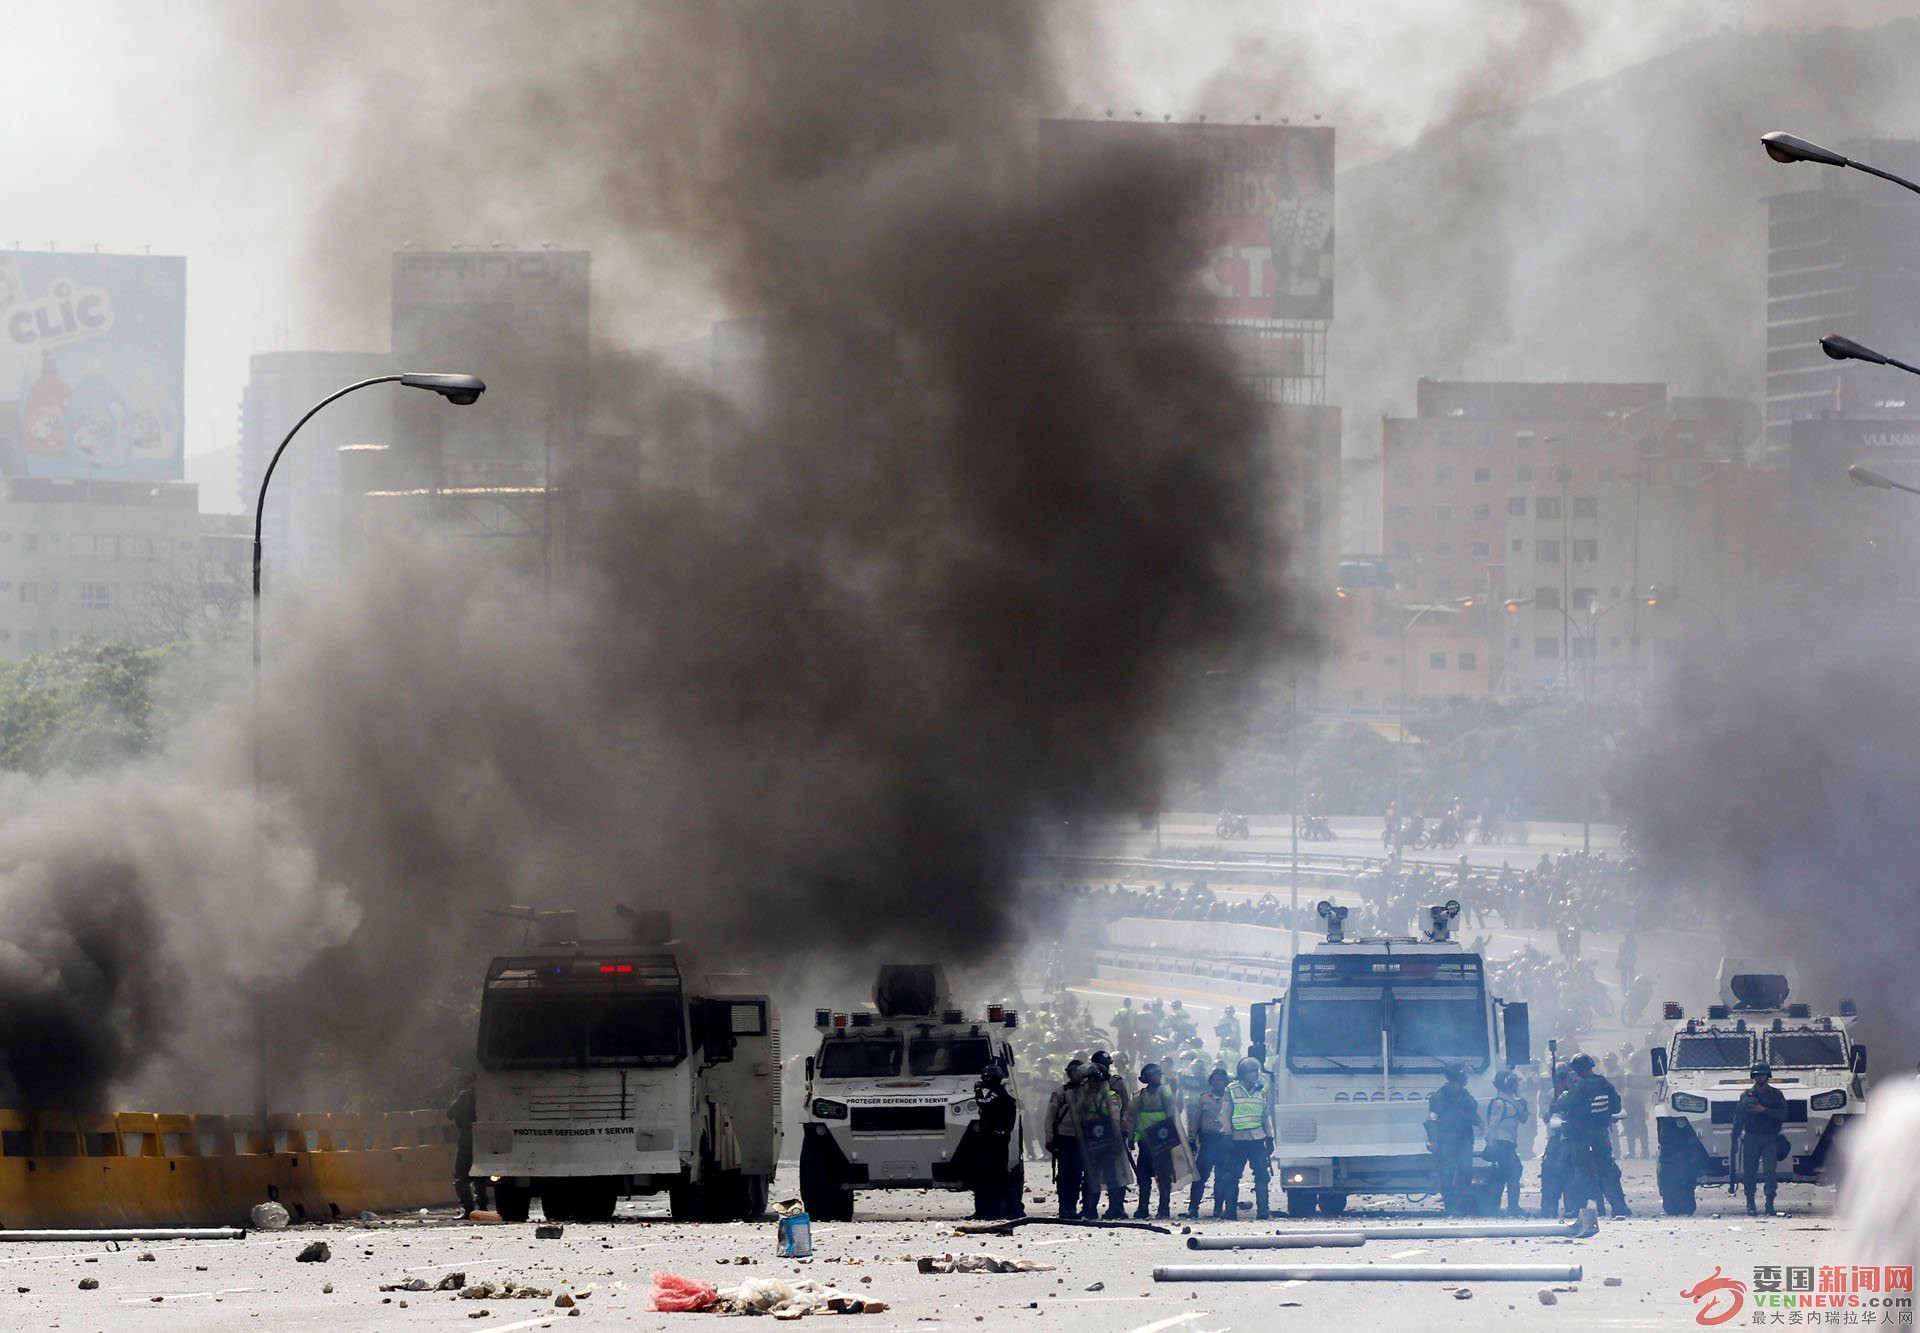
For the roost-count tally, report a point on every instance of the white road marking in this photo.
(187, 1295)
(1160, 1325)
(538, 1321)
(1406, 1254)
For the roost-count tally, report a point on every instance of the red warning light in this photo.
(606, 968)
(1672, 1010)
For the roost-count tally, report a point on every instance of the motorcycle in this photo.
(1446, 831)
(1315, 828)
(1410, 832)
(1230, 827)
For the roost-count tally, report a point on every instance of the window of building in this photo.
(1586, 506)
(1586, 549)
(1481, 513)
(1577, 648)
(1547, 647)
(1402, 475)
(1547, 599)
(1443, 513)
(1518, 545)
(1606, 476)
(95, 596)
(1443, 476)
(1523, 438)
(1524, 474)
(1443, 547)
(1403, 512)
(1482, 550)
(1546, 506)
(1587, 599)
(1366, 654)
(1446, 438)
(1469, 661)
(29, 592)
(1482, 476)
(1547, 552)
(1403, 550)
(1516, 506)
(1563, 474)
(1436, 661)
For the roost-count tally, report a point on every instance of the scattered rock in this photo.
(146, 1256)
(478, 1292)
(317, 1253)
(548, 1231)
(1611, 1282)
(1463, 1295)
(89, 1284)
(269, 1216)
(326, 1289)
(1547, 1297)
(563, 1301)
(411, 1284)
(199, 1268)
(1098, 1286)
(574, 1312)
(451, 1282)
(479, 1314)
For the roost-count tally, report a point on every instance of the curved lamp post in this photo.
(1784, 147)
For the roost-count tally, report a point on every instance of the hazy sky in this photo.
(157, 126)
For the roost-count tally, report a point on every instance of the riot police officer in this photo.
(1587, 1109)
(994, 1196)
(1452, 1117)
(1760, 1112)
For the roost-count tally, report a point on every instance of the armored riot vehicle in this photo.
(1705, 1067)
(1364, 1033)
(621, 1066)
(891, 1092)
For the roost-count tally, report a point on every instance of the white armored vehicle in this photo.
(890, 1100)
(1705, 1067)
(1364, 1033)
(613, 1067)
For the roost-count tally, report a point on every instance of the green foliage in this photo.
(82, 707)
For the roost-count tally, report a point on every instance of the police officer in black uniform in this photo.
(1587, 1109)
(1452, 1117)
(1761, 1110)
(994, 1196)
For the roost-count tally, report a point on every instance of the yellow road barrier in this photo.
(141, 1169)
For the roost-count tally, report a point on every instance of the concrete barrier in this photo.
(140, 1169)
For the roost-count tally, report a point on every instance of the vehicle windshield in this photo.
(1433, 1011)
(859, 1057)
(546, 1013)
(1712, 1050)
(1806, 1050)
(933, 1057)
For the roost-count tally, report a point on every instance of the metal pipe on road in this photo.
(1368, 1273)
(131, 1233)
(1286, 1240)
(1586, 1224)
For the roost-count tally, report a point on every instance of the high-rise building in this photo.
(1842, 257)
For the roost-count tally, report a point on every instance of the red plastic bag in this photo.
(683, 1295)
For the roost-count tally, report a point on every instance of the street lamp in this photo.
(1861, 476)
(1656, 593)
(1846, 349)
(1784, 147)
(461, 390)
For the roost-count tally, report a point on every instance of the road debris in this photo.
(317, 1253)
(549, 1231)
(1367, 1273)
(976, 1263)
(269, 1216)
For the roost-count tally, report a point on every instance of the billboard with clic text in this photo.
(92, 365)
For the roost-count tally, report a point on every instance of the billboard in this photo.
(518, 320)
(1266, 221)
(92, 365)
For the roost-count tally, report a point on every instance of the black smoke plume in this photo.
(959, 545)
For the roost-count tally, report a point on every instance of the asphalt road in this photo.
(1102, 1280)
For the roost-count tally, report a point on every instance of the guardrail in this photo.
(1258, 973)
(1256, 866)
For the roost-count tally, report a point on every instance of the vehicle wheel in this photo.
(512, 1201)
(1419, 841)
(820, 1185)
(1300, 1203)
(1677, 1191)
(1333, 1204)
(556, 1199)
(594, 1199)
